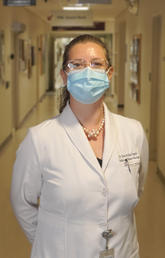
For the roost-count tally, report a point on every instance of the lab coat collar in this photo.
(76, 134)
(110, 138)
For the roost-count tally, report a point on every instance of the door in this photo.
(155, 85)
(15, 63)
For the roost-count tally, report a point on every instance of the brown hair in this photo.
(80, 39)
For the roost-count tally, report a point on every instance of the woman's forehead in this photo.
(86, 50)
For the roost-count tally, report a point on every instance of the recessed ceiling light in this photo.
(75, 8)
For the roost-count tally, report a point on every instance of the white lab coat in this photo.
(64, 200)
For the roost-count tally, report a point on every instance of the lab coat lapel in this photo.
(76, 133)
(110, 138)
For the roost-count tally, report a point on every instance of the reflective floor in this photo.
(150, 212)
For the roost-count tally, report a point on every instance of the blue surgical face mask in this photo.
(87, 85)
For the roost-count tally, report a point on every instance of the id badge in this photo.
(108, 253)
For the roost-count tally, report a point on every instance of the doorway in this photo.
(121, 65)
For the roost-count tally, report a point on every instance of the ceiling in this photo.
(100, 12)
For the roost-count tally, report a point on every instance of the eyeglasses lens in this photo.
(81, 64)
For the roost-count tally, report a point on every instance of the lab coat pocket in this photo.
(50, 236)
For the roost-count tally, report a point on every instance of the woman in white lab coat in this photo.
(78, 177)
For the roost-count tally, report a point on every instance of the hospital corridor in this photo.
(33, 35)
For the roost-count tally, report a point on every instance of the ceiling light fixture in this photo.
(19, 2)
(95, 1)
(75, 8)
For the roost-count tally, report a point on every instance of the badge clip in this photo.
(107, 253)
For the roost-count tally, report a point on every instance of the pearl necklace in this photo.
(93, 133)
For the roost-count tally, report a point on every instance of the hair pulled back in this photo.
(80, 39)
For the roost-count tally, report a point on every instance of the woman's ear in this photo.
(64, 76)
(110, 72)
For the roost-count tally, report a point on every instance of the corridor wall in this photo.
(141, 24)
(18, 97)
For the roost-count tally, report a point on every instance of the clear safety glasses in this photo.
(78, 64)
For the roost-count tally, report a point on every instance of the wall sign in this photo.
(72, 18)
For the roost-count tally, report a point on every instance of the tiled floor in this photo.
(150, 211)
